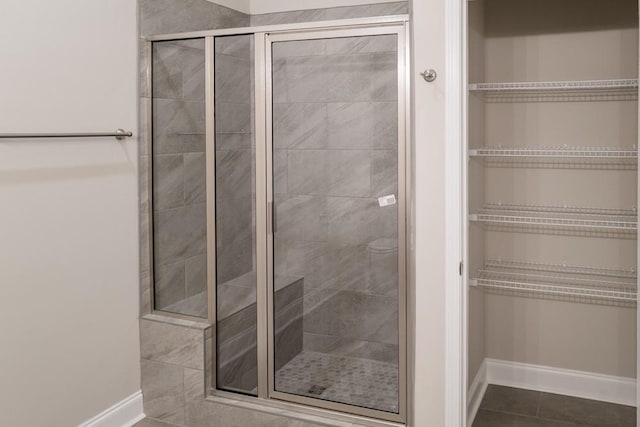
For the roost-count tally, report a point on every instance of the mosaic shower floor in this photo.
(361, 382)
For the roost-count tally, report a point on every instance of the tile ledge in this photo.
(192, 324)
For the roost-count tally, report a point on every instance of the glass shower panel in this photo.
(335, 175)
(178, 177)
(236, 314)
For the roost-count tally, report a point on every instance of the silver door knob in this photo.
(429, 75)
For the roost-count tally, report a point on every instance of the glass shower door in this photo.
(278, 195)
(337, 150)
(178, 169)
(236, 314)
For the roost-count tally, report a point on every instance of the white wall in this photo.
(429, 168)
(68, 211)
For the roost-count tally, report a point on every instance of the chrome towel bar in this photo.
(119, 134)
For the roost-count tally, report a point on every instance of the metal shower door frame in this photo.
(264, 36)
(400, 31)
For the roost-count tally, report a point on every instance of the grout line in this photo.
(508, 413)
(539, 404)
(555, 421)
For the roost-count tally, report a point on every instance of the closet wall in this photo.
(538, 41)
(476, 184)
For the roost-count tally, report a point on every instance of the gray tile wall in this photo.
(328, 14)
(335, 152)
(172, 367)
(236, 335)
(180, 109)
(178, 172)
(176, 16)
(174, 380)
(235, 157)
(354, 324)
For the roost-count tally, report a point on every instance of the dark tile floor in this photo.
(149, 422)
(513, 407)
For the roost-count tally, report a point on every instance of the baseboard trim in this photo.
(586, 385)
(125, 413)
(476, 393)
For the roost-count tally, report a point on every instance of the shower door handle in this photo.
(272, 217)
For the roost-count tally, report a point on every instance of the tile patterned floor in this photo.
(360, 382)
(505, 406)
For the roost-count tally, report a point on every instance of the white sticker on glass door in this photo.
(389, 200)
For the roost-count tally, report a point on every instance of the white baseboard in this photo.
(476, 393)
(125, 413)
(586, 385)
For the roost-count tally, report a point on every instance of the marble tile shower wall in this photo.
(174, 370)
(160, 17)
(335, 152)
(178, 159)
(235, 157)
(177, 16)
(328, 14)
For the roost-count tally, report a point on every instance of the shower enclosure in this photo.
(279, 193)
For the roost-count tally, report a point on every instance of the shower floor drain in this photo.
(316, 390)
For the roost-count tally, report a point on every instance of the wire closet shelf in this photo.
(558, 91)
(557, 86)
(555, 216)
(597, 285)
(564, 152)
